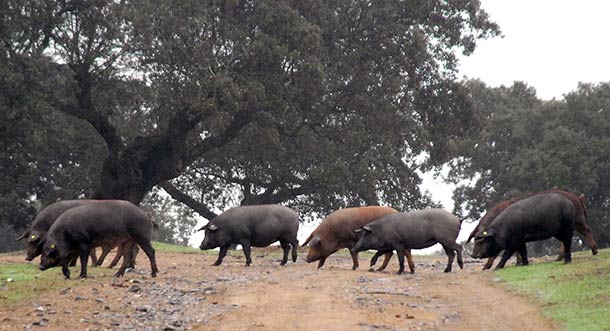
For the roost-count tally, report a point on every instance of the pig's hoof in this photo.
(371, 269)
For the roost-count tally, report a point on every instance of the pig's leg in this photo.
(150, 253)
(568, 251)
(221, 254)
(245, 244)
(489, 263)
(295, 246)
(458, 249)
(508, 252)
(400, 253)
(84, 256)
(523, 254)
(375, 258)
(117, 257)
(286, 247)
(73, 260)
(321, 262)
(562, 252)
(386, 259)
(127, 255)
(132, 262)
(93, 257)
(566, 238)
(409, 260)
(354, 255)
(64, 267)
(450, 256)
(105, 250)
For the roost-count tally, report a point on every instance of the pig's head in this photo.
(368, 238)
(214, 237)
(319, 248)
(34, 242)
(50, 255)
(485, 244)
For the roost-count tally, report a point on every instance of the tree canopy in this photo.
(317, 104)
(528, 145)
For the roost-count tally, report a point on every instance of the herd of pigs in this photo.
(68, 230)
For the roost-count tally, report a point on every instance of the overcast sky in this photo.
(549, 44)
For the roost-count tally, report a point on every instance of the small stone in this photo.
(67, 312)
(134, 289)
(143, 308)
(40, 309)
(79, 298)
(100, 300)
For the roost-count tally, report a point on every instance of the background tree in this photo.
(528, 145)
(314, 104)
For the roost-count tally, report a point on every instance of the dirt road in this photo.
(190, 294)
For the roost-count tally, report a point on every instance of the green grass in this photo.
(22, 281)
(577, 295)
(169, 248)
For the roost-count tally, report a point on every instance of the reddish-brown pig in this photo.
(337, 231)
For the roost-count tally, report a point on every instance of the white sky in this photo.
(549, 44)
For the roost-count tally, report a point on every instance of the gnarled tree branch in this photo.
(178, 195)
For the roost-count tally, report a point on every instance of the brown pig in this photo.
(337, 231)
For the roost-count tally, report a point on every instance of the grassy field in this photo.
(20, 281)
(577, 295)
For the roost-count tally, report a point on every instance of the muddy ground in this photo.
(190, 294)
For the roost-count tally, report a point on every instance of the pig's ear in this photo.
(366, 228)
(212, 227)
(23, 235)
(314, 242)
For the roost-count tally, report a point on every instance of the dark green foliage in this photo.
(317, 104)
(528, 145)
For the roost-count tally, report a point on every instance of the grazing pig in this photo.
(581, 228)
(110, 222)
(537, 217)
(412, 230)
(336, 231)
(257, 226)
(36, 234)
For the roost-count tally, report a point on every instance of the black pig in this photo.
(412, 230)
(537, 217)
(257, 226)
(36, 234)
(109, 222)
